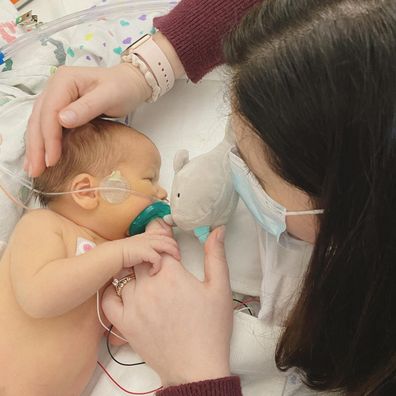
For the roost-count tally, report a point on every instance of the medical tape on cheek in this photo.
(115, 188)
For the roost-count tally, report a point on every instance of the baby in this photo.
(50, 332)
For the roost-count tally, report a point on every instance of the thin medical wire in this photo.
(245, 305)
(22, 181)
(125, 390)
(244, 309)
(101, 321)
(29, 185)
(112, 356)
(89, 190)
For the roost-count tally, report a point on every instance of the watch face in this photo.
(136, 44)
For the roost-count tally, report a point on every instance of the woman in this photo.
(314, 99)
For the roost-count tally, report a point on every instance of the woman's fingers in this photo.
(74, 96)
(71, 88)
(35, 153)
(87, 107)
(61, 95)
(113, 306)
(44, 132)
(78, 112)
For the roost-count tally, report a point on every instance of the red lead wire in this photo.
(123, 389)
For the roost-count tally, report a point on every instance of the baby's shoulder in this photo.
(42, 214)
(39, 219)
(43, 225)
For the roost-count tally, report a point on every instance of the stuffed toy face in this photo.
(203, 195)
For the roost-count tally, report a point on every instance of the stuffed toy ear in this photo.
(181, 159)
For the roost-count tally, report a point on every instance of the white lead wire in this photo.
(101, 321)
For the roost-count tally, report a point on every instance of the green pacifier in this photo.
(154, 211)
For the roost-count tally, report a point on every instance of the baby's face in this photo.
(141, 172)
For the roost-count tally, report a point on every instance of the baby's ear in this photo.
(88, 200)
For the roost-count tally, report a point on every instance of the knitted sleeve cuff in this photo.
(227, 386)
(196, 29)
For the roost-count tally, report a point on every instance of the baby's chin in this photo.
(113, 236)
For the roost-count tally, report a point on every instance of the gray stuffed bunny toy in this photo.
(203, 195)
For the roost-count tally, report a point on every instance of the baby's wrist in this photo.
(115, 253)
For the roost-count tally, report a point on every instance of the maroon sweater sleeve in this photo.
(228, 386)
(196, 29)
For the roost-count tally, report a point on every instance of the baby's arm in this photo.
(47, 284)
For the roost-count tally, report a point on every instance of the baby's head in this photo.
(90, 154)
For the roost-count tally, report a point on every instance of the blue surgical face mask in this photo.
(269, 214)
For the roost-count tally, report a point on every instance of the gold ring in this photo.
(120, 283)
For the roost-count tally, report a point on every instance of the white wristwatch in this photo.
(152, 62)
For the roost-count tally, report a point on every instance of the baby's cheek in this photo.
(134, 207)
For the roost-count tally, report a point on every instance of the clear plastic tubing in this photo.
(46, 30)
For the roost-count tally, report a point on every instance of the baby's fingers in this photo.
(166, 245)
(158, 231)
(155, 268)
(161, 238)
(153, 258)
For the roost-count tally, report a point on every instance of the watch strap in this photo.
(151, 54)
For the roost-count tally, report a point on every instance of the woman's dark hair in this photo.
(316, 80)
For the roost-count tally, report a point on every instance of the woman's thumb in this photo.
(216, 269)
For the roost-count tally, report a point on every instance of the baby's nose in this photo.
(162, 194)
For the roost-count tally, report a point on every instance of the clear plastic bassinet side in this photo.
(121, 23)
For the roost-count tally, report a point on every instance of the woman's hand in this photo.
(74, 96)
(179, 325)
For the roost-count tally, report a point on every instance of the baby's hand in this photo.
(147, 247)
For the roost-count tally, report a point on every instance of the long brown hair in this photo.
(316, 79)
